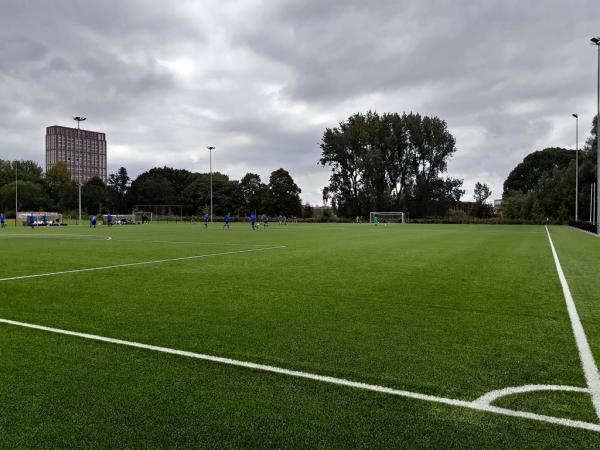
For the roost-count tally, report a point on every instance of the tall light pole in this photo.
(79, 120)
(596, 42)
(16, 189)
(576, 167)
(210, 149)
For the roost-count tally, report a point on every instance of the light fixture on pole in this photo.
(79, 120)
(210, 149)
(576, 167)
(596, 42)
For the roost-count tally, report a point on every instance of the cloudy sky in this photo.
(261, 80)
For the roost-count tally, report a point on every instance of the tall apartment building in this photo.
(64, 144)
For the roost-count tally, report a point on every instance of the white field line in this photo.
(585, 353)
(321, 378)
(72, 237)
(141, 263)
(492, 396)
(193, 243)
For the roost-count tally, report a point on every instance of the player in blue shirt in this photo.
(92, 221)
(44, 220)
(253, 221)
(206, 218)
(109, 219)
(32, 220)
(265, 220)
(227, 220)
(2, 224)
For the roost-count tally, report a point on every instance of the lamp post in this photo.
(79, 120)
(596, 42)
(16, 189)
(576, 167)
(210, 149)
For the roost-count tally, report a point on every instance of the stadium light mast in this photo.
(596, 42)
(16, 189)
(576, 167)
(210, 149)
(79, 120)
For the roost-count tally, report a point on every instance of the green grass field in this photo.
(452, 312)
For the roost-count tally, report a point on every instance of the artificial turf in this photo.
(452, 311)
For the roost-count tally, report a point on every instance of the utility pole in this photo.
(596, 42)
(576, 167)
(210, 149)
(16, 190)
(79, 120)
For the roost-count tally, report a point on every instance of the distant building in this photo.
(62, 144)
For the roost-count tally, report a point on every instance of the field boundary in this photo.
(140, 263)
(588, 363)
(473, 405)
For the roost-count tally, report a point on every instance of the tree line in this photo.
(389, 162)
(542, 186)
(55, 191)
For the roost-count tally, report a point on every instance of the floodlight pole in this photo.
(79, 120)
(576, 167)
(210, 149)
(16, 189)
(596, 42)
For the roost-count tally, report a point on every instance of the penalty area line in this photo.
(474, 405)
(588, 363)
(140, 263)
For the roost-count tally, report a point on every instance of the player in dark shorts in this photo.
(227, 220)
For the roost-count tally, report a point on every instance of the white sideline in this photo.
(321, 378)
(141, 263)
(585, 353)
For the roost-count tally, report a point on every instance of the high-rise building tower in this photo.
(65, 144)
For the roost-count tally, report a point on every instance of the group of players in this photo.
(253, 221)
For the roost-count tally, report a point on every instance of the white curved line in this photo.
(320, 378)
(492, 396)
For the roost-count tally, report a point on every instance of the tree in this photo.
(389, 161)
(27, 171)
(481, 193)
(31, 196)
(283, 194)
(116, 191)
(93, 195)
(61, 189)
(526, 175)
(252, 191)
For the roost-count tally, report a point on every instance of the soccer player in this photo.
(92, 221)
(265, 220)
(206, 217)
(253, 221)
(109, 219)
(376, 220)
(44, 220)
(2, 224)
(227, 220)
(32, 220)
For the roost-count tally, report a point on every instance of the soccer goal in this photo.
(142, 216)
(120, 219)
(386, 217)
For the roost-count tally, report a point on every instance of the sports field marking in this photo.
(475, 405)
(492, 396)
(585, 353)
(141, 263)
(193, 242)
(73, 237)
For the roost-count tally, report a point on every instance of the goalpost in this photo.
(386, 217)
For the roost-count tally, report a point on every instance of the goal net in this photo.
(142, 216)
(386, 217)
(120, 219)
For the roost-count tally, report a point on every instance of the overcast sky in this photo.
(261, 80)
